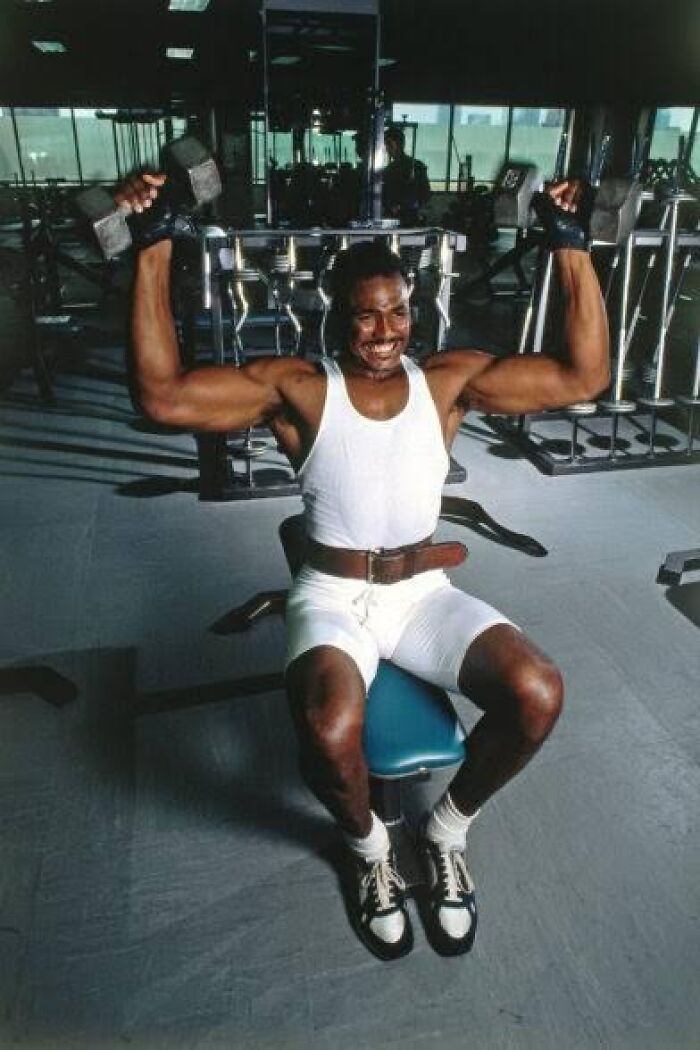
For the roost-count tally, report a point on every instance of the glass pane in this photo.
(427, 131)
(257, 148)
(669, 125)
(96, 145)
(695, 155)
(47, 144)
(535, 137)
(479, 134)
(281, 148)
(329, 148)
(9, 162)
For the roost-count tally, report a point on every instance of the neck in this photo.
(352, 367)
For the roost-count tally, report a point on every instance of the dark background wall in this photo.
(523, 51)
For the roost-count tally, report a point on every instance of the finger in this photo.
(145, 190)
(154, 178)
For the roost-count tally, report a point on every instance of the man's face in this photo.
(392, 147)
(380, 324)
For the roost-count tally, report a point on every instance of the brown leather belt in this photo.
(382, 565)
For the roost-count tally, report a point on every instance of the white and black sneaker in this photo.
(451, 903)
(378, 908)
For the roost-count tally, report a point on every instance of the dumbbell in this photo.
(615, 209)
(192, 180)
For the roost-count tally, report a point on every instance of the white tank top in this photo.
(374, 483)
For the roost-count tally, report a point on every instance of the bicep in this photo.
(520, 383)
(222, 398)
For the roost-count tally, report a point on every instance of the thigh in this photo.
(503, 665)
(442, 628)
(326, 694)
(320, 615)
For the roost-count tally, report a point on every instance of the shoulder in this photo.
(278, 371)
(456, 362)
(447, 373)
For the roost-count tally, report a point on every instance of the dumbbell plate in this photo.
(656, 402)
(582, 408)
(617, 407)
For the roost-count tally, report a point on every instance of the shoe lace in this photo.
(453, 875)
(380, 884)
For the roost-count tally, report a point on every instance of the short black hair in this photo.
(360, 261)
(397, 134)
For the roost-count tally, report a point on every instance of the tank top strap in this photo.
(416, 377)
(335, 384)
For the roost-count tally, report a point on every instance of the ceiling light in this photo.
(334, 47)
(179, 52)
(388, 61)
(188, 5)
(285, 60)
(49, 46)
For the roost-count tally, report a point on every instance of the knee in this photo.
(538, 690)
(333, 733)
(329, 725)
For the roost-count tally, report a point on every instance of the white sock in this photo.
(447, 826)
(372, 847)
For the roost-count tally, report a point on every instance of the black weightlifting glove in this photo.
(565, 229)
(160, 223)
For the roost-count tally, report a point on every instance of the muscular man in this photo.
(368, 435)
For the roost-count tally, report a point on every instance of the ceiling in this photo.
(470, 51)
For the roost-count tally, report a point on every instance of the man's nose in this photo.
(383, 326)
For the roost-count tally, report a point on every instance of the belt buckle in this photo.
(372, 553)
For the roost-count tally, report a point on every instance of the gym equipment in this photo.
(615, 210)
(656, 402)
(676, 563)
(667, 242)
(514, 189)
(617, 406)
(192, 181)
(692, 401)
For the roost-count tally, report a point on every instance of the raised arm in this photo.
(207, 398)
(531, 382)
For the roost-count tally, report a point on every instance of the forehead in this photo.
(378, 292)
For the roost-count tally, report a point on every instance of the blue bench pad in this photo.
(409, 725)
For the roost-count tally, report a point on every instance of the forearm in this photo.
(156, 362)
(586, 333)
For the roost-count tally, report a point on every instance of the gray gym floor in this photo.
(166, 880)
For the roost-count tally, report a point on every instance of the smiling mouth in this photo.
(381, 349)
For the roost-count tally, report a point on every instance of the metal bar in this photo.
(17, 144)
(450, 140)
(691, 135)
(663, 320)
(622, 327)
(541, 319)
(509, 134)
(115, 140)
(77, 147)
(266, 116)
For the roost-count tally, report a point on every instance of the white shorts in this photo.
(423, 624)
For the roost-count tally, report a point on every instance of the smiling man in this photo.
(368, 435)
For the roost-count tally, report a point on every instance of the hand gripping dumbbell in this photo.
(607, 215)
(192, 180)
